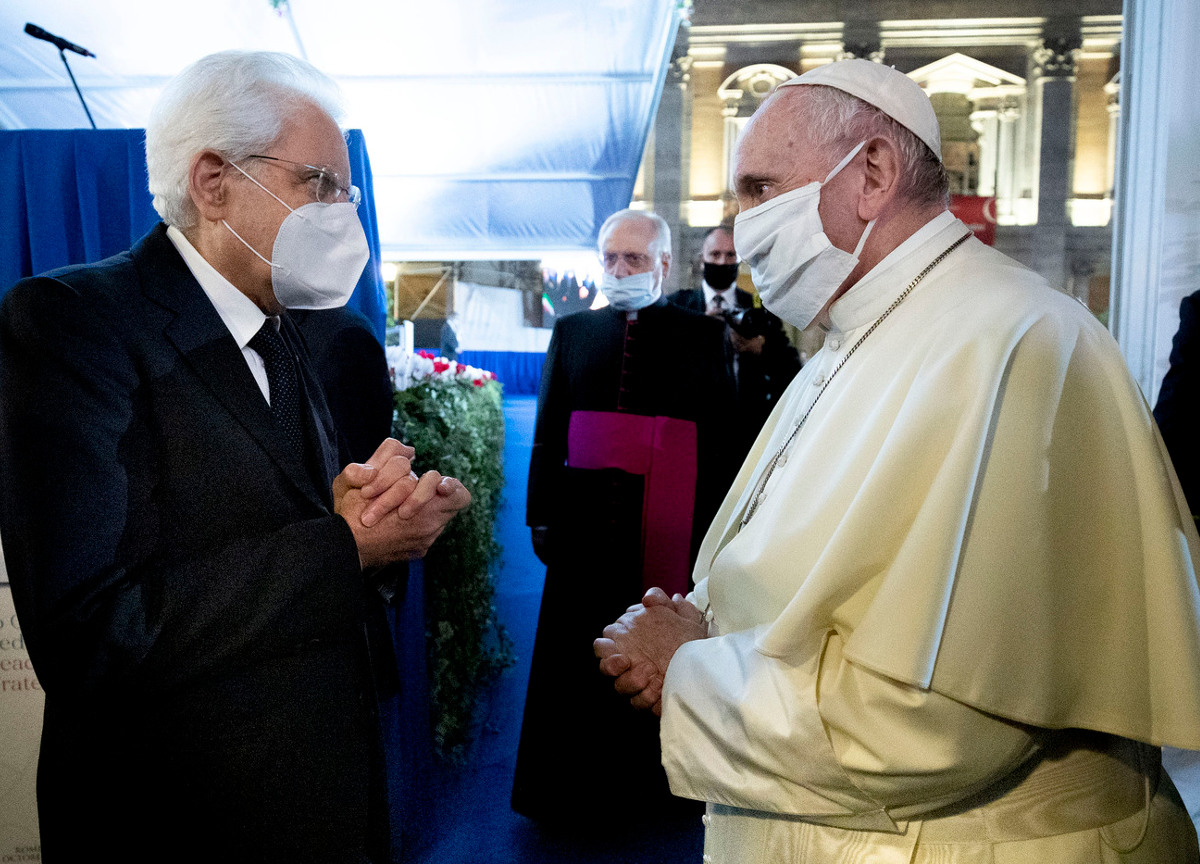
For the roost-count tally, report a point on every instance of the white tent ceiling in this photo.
(496, 128)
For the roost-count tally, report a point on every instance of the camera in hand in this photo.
(755, 321)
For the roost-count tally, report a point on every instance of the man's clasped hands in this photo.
(393, 513)
(637, 648)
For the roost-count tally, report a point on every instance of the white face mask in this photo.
(319, 253)
(794, 266)
(631, 292)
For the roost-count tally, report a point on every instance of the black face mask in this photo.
(720, 276)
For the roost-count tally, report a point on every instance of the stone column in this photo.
(986, 124)
(1055, 86)
(861, 40)
(1113, 91)
(1007, 190)
(672, 153)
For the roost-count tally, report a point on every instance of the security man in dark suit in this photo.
(1177, 410)
(718, 294)
(763, 360)
(193, 573)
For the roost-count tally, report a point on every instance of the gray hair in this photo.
(835, 122)
(234, 102)
(662, 231)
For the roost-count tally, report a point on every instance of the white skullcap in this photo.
(892, 92)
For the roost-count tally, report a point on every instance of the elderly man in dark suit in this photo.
(194, 576)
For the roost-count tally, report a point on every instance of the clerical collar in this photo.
(863, 303)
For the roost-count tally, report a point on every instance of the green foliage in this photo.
(457, 428)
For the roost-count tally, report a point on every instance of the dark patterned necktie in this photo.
(282, 381)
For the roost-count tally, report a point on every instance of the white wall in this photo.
(1156, 237)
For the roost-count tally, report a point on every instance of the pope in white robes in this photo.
(949, 610)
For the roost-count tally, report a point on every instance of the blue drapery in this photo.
(74, 196)
(519, 371)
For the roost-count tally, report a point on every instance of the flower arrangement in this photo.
(451, 413)
(424, 365)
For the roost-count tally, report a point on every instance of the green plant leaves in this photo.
(457, 428)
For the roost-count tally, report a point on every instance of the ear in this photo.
(207, 182)
(881, 177)
(666, 265)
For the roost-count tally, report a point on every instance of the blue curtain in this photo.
(74, 196)
(519, 371)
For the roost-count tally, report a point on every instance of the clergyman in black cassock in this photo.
(676, 365)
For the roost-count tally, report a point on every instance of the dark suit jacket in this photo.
(1178, 408)
(693, 299)
(193, 608)
(353, 371)
(761, 380)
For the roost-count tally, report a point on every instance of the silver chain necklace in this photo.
(761, 486)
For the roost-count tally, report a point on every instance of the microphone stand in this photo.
(77, 90)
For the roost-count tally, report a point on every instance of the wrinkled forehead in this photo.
(778, 133)
(783, 118)
(629, 235)
(310, 136)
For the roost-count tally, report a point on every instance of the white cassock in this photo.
(975, 543)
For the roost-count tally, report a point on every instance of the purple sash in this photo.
(663, 450)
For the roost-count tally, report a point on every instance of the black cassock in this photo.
(582, 744)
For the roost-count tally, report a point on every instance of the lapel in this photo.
(318, 420)
(200, 336)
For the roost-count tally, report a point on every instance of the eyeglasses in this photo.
(635, 261)
(326, 184)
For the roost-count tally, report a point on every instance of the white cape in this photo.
(980, 504)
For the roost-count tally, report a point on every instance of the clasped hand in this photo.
(637, 648)
(393, 513)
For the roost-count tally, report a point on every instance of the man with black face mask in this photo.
(764, 362)
(718, 294)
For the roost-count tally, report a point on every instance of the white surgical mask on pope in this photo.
(792, 263)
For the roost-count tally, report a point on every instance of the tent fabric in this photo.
(75, 196)
(501, 129)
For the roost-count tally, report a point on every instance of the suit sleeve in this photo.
(549, 436)
(104, 604)
(354, 374)
(824, 739)
(1178, 408)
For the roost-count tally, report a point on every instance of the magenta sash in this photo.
(663, 451)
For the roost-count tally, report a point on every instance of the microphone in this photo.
(57, 41)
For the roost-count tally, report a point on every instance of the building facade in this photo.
(1028, 107)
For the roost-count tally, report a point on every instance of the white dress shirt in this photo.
(241, 316)
(729, 295)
